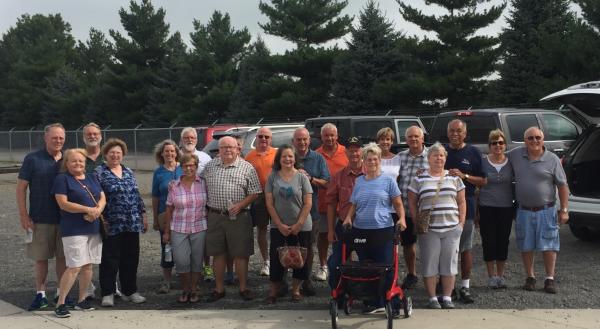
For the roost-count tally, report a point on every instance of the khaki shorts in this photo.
(232, 237)
(82, 250)
(46, 243)
(260, 214)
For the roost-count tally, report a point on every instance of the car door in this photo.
(559, 132)
(516, 124)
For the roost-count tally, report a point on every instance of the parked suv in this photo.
(559, 131)
(363, 127)
(582, 161)
(282, 134)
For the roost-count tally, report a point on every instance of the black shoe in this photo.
(371, 309)
(410, 281)
(38, 303)
(549, 286)
(84, 306)
(308, 289)
(529, 284)
(62, 311)
(465, 296)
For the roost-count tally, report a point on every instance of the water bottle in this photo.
(168, 253)
(231, 217)
(29, 236)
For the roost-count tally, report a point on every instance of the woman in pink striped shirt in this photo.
(186, 227)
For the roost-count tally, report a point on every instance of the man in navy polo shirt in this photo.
(37, 174)
(464, 161)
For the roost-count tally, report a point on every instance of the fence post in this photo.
(77, 137)
(170, 130)
(30, 130)
(135, 145)
(104, 132)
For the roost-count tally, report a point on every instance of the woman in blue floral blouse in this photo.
(126, 217)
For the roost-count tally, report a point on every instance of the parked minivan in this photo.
(582, 160)
(559, 131)
(363, 127)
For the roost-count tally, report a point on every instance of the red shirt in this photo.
(335, 164)
(340, 190)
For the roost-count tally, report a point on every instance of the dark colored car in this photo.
(582, 161)
(363, 127)
(559, 131)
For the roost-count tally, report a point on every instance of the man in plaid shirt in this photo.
(232, 185)
(412, 161)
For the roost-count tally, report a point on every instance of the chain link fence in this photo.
(15, 144)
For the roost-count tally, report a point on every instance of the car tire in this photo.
(583, 233)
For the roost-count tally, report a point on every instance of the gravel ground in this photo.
(576, 273)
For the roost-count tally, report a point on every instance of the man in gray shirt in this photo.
(538, 174)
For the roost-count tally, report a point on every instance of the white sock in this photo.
(433, 299)
(57, 292)
(465, 283)
(447, 298)
(43, 292)
(550, 277)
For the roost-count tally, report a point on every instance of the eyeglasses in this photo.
(494, 143)
(531, 138)
(263, 136)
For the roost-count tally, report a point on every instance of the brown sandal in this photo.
(184, 297)
(296, 297)
(194, 297)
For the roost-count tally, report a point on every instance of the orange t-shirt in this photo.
(262, 163)
(335, 163)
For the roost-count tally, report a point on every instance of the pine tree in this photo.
(591, 11)
(459, 57)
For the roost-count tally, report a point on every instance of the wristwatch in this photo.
(565, 210)
(467, 176)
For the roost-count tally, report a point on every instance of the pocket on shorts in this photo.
(550, 233)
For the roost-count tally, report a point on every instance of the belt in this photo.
(534, 209)
(222, 212)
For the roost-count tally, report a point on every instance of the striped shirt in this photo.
(231, 183)
(373, 201)
(444, 215)
(409, 165)
(189, 213)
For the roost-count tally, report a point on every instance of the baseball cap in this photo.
(354, 141)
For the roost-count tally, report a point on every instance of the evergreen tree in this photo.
(305, 72)
(591, 11)
(36, 48)
(371, 74)
(217, 51)
(458, 58)
(539, 55)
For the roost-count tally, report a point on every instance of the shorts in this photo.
(259, 212)
(466, 238)
(537, 230)
(46, 244)
(322, 224)
(408, 236)
(232, 237)
(188, 251)
(82, 250)
(439, 252)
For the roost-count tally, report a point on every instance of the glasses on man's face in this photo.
(228, 147)
(531, 138)
(263, 136)
(495, 143)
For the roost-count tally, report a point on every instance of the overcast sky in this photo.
(103, 15)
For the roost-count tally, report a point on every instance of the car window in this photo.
(518, 123)
(283, 137)
(401, 126)
(366, 131)
(557, 127)
(478, 128)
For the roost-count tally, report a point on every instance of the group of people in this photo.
(85, 208)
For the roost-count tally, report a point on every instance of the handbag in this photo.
(292, 256)
(103, 223)
(424, 215)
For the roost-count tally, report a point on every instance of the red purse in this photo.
(292, 256)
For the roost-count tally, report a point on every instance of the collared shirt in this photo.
(203, 159)
(315, 166)
(536, 180)
(262, 163)
(409, 165)
(189, 213)
(468, 160)
(124, 204)
(160, 184)
(340, 190)
(91, 165)
(335, 163)
(231, 183)
(40, 169)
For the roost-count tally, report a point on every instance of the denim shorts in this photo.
(537, 230)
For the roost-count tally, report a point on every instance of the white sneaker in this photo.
(265, 269)
(493, 282)
(108, 301)
(135, 298)
(322, 273)
(91, 291)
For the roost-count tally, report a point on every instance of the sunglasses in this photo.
(531, 138)
(263, 136)
(494, 143)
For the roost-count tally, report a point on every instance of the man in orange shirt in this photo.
(261, 159)
(336, 160)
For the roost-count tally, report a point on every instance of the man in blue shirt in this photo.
(37, 174)
(313, 165)
(464, 161)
